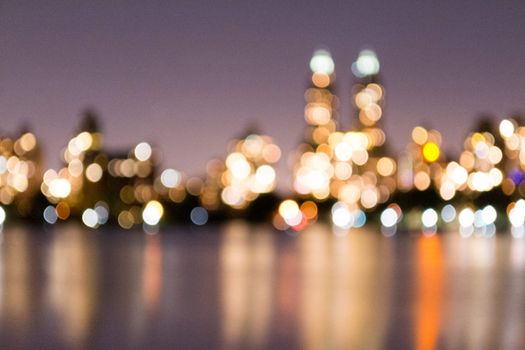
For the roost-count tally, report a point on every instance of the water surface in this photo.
(240, 286)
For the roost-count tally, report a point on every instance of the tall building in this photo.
(368, 96)
(312, 168)
(320, 111)
(348, 167)
(364, 174)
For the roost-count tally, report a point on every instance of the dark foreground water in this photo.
(247, 287)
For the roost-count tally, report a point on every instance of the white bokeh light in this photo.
(429, 218)
(322, 62)
(143, 151)
(366, 64)
(389, 217)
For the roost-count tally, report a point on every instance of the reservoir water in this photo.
(243, 286)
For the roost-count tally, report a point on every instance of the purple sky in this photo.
(189, 75)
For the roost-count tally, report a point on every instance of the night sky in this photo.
(189, 75)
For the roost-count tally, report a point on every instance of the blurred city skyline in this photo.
(188, 77)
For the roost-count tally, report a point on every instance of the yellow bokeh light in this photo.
(431, 152)
(476, 138)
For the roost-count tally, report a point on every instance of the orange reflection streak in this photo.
(429, 291)
(152, 272)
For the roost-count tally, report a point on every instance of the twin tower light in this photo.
(365, 65)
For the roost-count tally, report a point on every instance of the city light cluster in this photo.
(343, 173)
(351, 169)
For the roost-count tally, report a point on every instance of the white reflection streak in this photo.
(263, 281)
(471, 309)
(16, 295)
(315, 287)
(481, 300)
(512, 329)
(246, 274)
(344, 290)
(517, 254)
(365, 266)
(72, 281)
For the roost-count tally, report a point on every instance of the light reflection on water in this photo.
(243, 286)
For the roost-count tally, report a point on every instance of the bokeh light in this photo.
(199, 216)
(152, 213)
